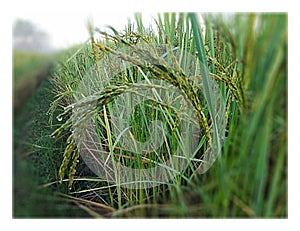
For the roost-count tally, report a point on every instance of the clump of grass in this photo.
(90, 83)
(149, 62)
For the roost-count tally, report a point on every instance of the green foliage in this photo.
(246, 55)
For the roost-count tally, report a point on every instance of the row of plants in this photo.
(166, 120)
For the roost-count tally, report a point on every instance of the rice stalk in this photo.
(249, 89)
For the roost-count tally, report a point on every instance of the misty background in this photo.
(28, 37)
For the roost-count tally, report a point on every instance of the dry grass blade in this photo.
(91, 203)
(91, 212)
(135, 208)
(243, 206)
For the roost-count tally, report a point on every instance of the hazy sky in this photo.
(65, 21)
(71, 28)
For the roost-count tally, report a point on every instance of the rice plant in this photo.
(149, 110)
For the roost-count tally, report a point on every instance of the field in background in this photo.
(34, 154)
(29, 69)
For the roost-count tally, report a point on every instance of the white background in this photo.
(65, 17)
